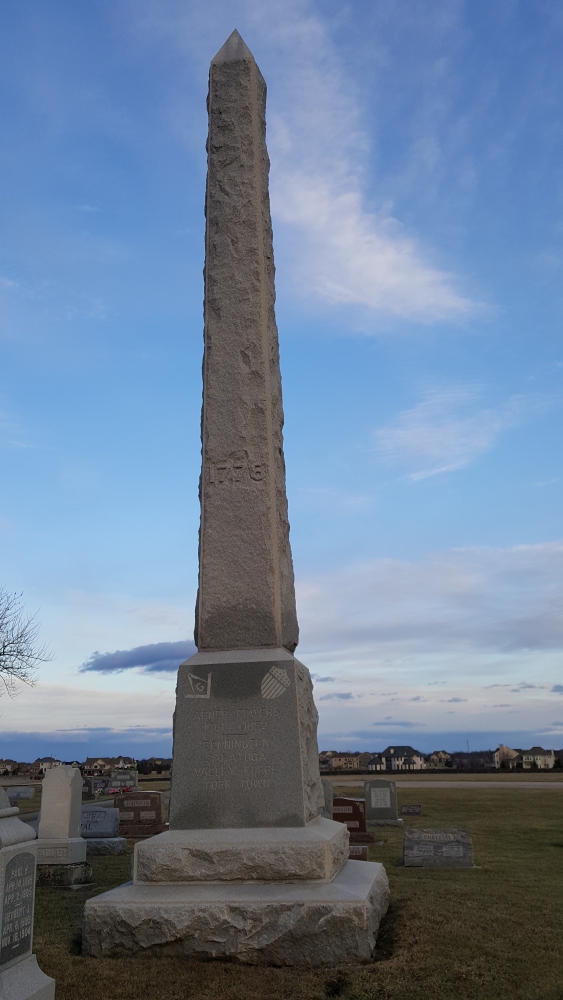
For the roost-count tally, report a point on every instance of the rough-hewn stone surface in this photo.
(246, 590)
(245, 747)
(315, 923)
(316, 851)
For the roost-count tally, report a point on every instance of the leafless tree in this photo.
(20, 653)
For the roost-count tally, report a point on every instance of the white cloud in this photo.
(342, 252)
(442, 434)
(506, 601)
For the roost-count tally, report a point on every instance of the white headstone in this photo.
(61, 803)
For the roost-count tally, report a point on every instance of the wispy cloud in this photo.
(342, 251)
(475, 598)
(446, 431)
(341, 696)
(156, 657)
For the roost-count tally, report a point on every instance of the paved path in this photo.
(518, 785)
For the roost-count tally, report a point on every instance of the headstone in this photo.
(246, 797)
(352, 812)
(61, 803)
(411, 810)
(437, 849)
(16, 792)
(358, 852)
(20, 976)
(98, 822)
(100, 829)
(141, 814)
(59, 844)
(123, 779)
(381, 802)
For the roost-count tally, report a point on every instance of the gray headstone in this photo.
(246, 593)
(20, 792)
(20, 975)
(381, 800)
(99, 822)
(17, 906)
(438, 849)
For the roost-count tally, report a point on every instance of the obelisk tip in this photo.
(234, 49)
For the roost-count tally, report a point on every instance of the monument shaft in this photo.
(246, 593)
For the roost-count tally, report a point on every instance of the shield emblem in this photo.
(274, 683)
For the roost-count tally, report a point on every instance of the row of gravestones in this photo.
(448, 848)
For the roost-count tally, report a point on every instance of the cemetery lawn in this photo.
(494, 932)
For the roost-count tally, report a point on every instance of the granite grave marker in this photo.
(141, 814)
(381, 802)
(428, 848)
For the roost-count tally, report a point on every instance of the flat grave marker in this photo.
(431, 848)
(411, 810)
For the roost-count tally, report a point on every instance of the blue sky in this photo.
(417, 201)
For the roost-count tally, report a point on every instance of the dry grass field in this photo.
(494, 932)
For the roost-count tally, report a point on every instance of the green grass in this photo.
(494, 932)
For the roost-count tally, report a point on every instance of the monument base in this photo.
(265, 854)
(60, 851)
(25, 981)
(306, 924)
(106, 845)
(57, 876)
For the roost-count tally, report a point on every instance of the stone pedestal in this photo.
(20, 976)
(304, 923)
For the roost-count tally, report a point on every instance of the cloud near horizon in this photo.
(481, 599)
(156, 657)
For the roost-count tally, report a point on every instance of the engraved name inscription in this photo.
(17, 907)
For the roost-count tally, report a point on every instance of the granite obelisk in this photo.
(246, 596)
(249, 868)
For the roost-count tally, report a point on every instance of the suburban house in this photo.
(8, 767)
(40, 766)
(376, 763)
(440, 758)
(95, 766)
(504, 756)
(403, 759)
(345, 761)
(537, 757)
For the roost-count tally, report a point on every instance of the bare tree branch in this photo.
(20, 654)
